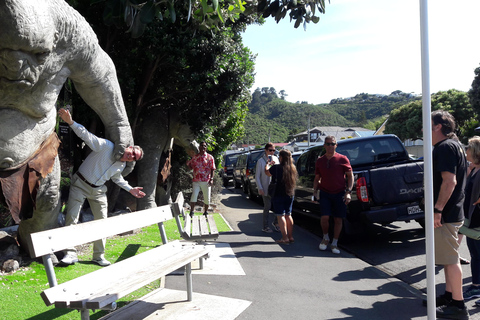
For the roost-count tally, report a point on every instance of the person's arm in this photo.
(348, 192)
(267, 170)
(449, 181)
(122, 183)
(259, 168)
(210, 182)
(95, 143)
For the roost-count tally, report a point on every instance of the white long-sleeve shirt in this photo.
(262, 179)
(99, 167)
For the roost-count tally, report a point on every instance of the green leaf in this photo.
(189, 10)
(173, 15)
(215, 5)
(147, 13)
(219, 13)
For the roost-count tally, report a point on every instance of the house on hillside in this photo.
(318, 134)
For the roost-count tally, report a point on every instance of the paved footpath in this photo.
(251, 277)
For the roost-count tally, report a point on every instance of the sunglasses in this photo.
(271, 150)
(330, 143)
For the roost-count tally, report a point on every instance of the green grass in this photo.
(20, 292)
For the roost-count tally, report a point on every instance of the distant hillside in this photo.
(270, 115)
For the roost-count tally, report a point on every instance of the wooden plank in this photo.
(203, 226)
(213, 226)
(103, 286)
(188, 225)
(195, 226)
(49, 241)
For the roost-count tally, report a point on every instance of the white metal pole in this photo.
(428, 167)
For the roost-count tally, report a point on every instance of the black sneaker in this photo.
(452, 312)
(439, 301)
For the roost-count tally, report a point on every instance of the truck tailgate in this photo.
(401, 183)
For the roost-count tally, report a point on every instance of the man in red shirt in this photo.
(330, 172)
(203, 166)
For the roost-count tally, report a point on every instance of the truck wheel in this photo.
(237, 184)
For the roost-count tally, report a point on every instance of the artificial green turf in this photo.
(20, 292)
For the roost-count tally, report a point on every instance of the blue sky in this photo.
(370, 46)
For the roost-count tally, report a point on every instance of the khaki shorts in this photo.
(446, 243)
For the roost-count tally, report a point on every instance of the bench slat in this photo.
(213, 226)
(203, 226)
(195, 226)
(104, 286)
(188, 225)
(53, 240)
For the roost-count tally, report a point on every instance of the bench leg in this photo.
(200, 262)
(48, 264)
(85, 314)
(188, 275)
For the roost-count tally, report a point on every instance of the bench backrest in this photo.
(53, 240)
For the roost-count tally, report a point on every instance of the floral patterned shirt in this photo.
(202, 166)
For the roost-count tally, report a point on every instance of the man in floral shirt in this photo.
(203, 166)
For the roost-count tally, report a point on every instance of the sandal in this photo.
(281, 241)
(291, 240)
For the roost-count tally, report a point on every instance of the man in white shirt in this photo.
(89, 183)
(263, 181)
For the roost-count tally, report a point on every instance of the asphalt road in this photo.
(397, 249)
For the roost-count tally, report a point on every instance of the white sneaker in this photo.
(69, 259)
(323, 245)
(335, 249)
(101, 262)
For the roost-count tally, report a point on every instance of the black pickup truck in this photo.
(388, 185)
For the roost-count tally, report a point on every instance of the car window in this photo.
(231, 159)
(374, 151)
(254, 157)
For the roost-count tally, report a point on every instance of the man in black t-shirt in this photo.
(449, 177)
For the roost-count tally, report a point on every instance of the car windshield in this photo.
(367, 152)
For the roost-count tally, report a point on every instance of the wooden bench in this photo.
(101, 288)
(194, 228)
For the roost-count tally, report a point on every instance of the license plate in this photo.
(414, 209)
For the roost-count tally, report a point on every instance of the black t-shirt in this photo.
(277, 173)
(449, 156)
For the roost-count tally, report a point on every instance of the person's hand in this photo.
(347, 198)
(476, 202)
(66, 116)
(437, 220)
(260, 192)
(137, 192)
(210, 182)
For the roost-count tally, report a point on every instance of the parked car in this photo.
(228, 164)
(244, 172)
(296, 155)
(388, 183)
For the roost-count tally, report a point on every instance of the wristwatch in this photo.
(435, 210)
(348, 190)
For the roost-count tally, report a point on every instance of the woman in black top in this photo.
(285, 176)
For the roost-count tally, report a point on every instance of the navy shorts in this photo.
(282, 205)
(332, 204)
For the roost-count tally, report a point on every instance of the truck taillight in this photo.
(247, 173)
(225, 169)
(362, 193)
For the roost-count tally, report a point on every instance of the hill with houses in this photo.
(271, 118)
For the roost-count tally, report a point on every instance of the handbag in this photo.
(272, 187)
(473, 233)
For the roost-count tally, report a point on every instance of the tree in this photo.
(406, 121)
(206, 15)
